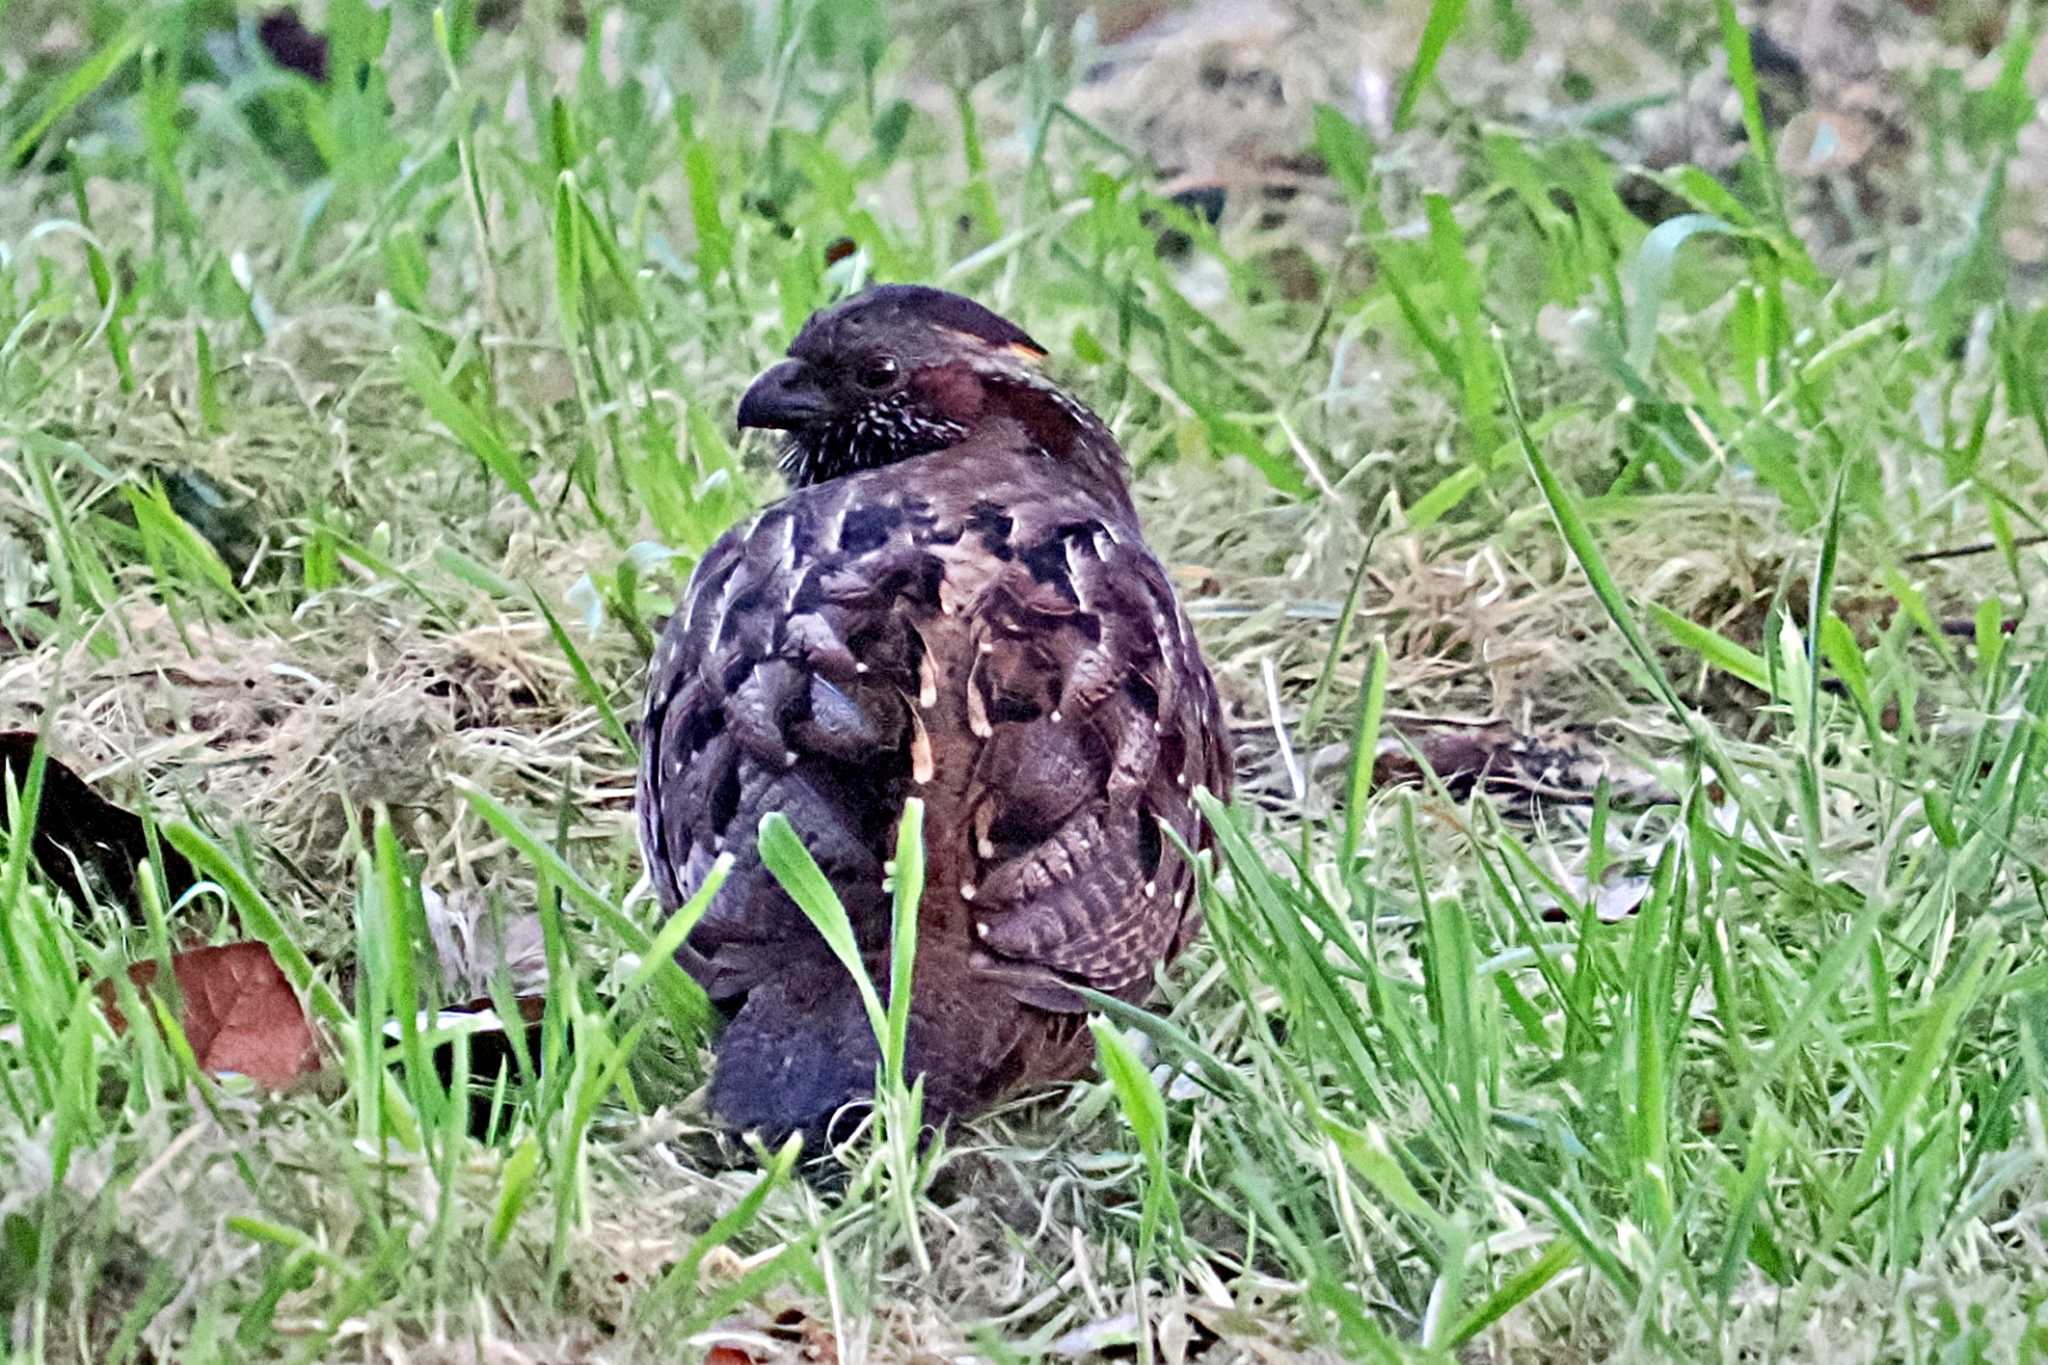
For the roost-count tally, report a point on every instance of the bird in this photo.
(953, 601)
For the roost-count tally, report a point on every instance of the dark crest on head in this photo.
(892, 373)
(889, 306)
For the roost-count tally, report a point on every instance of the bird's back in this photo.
(980, 629)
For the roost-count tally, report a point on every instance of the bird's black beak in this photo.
(786, 396)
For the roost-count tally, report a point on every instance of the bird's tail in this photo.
(799, 1057)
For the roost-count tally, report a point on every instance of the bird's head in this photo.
(900, 371)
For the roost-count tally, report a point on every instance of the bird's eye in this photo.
(878, 373)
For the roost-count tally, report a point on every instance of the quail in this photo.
(954, 601)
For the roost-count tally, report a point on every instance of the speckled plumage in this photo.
(958, 605)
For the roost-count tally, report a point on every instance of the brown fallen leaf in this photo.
(77, 827)
(1563, 767)
(238, 1013)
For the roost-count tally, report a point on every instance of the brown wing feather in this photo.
(1074, 788)
(758, 704)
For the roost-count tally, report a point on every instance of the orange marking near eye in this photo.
(1016, 350)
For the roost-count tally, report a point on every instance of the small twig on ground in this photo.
(1979, 547)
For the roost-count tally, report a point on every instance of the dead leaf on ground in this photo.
(238, 1012)
(77, 827)
(1560, 767)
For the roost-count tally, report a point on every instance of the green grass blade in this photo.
(784, 855)
(1365, 745)
(1720, 652)
(908, 878)
(680, 998)
(1742, 75)
(586, 680)
(465, 423)
(1649, 280)
(95, 71)
(1445, 18)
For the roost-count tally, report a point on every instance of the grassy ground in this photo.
(354, 432)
